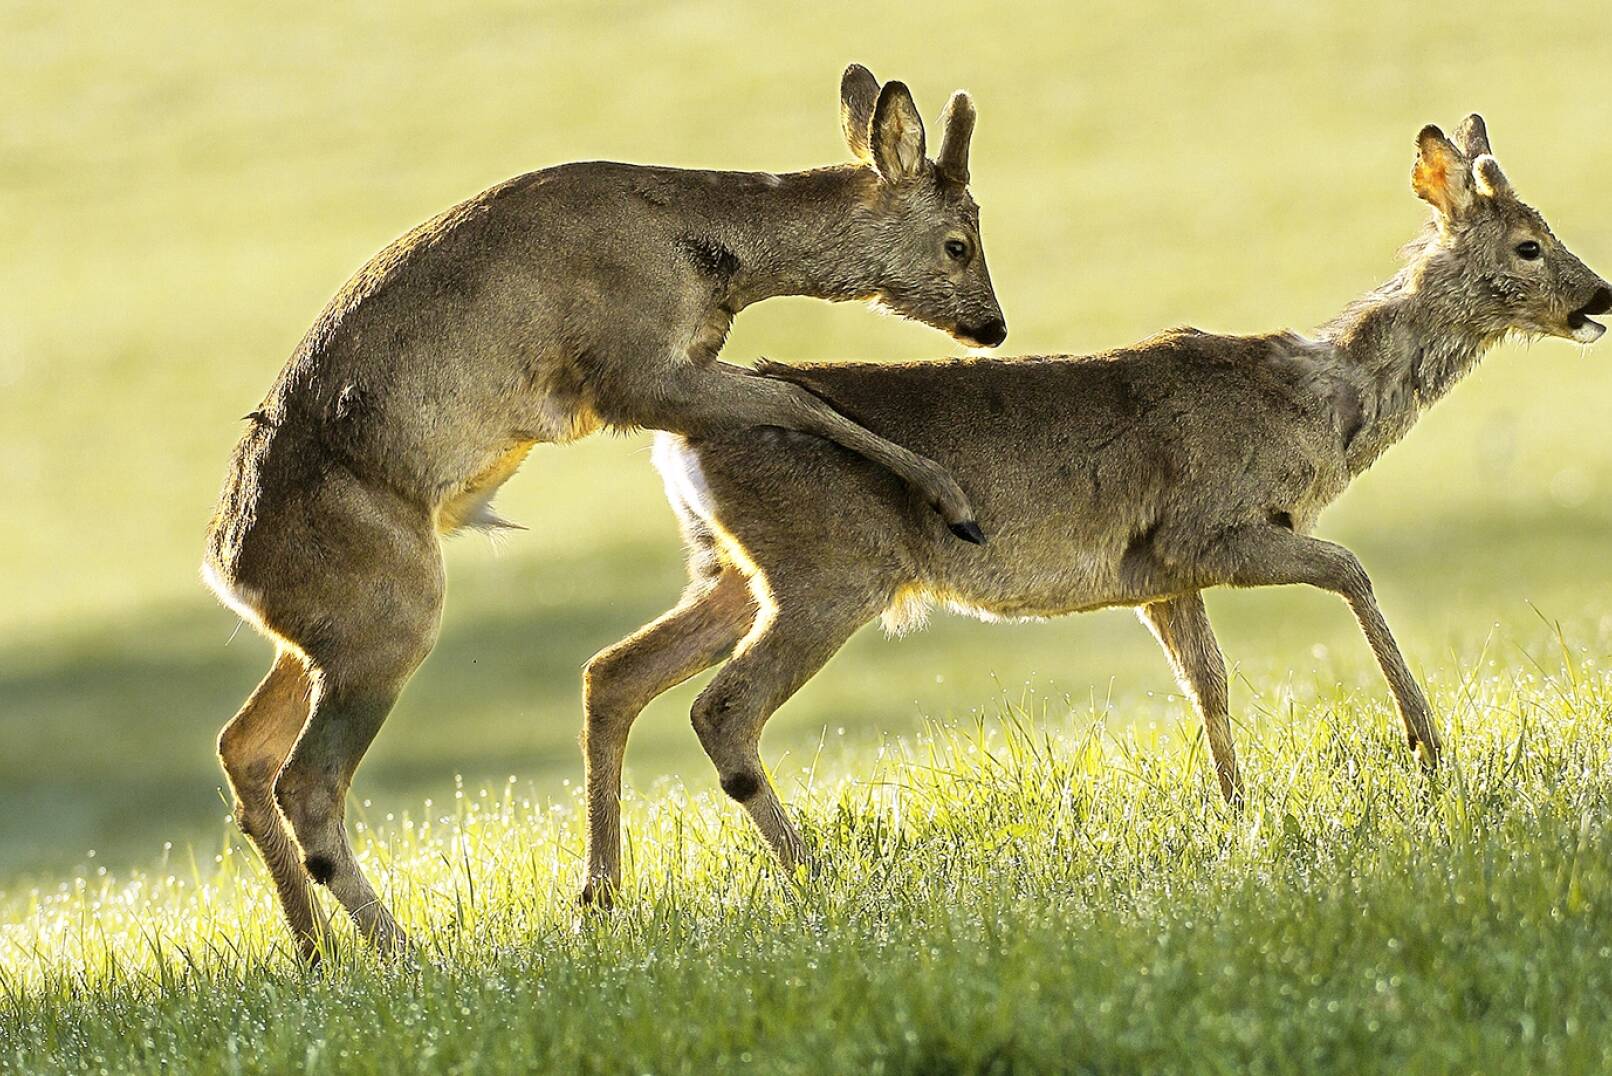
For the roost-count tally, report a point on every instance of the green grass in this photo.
(180, 192)
(1021, 893)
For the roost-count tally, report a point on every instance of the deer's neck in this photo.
(791, 234)
(1401, 348)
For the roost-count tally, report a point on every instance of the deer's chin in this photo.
(1584, 329)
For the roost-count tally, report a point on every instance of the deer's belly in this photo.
(471, 503)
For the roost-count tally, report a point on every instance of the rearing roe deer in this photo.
(556, 303)
(1138, 477)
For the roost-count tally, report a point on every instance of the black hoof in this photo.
(597, 897)
(312, 958)
(968, 531)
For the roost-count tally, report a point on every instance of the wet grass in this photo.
(1033, 891)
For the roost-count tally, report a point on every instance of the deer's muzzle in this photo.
(989, 334)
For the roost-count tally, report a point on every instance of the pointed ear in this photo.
(859, 92)
(1440, 176)
(1472, 136)
(957, 128)
(1491, 181)
(897, 134)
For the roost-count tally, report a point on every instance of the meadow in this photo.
(180, 194)
(991, 897)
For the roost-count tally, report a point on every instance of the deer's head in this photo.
(1493, 254)
(917, 223)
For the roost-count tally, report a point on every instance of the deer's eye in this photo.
(1528, 250)
(956, 249)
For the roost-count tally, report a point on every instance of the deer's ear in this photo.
(957, 128)
(859, 93)
(1441, 176)
(1472, 136)
(1491, 181)
(897, 134)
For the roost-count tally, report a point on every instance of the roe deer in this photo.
(572, 298)
(1139, 477)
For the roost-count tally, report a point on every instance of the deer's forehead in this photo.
(1515, 215)
(945, 200)
(959, 201)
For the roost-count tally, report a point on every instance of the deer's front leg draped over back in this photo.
(704, 400)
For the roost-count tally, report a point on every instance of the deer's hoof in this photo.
(597, 896)
(968, 531)
(1426, 753)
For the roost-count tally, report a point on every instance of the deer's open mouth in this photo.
(1579, 323)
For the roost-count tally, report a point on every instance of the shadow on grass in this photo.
(109, 733)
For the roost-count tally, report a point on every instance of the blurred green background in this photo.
(182, 186)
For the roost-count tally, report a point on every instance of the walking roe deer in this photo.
(572, 298)
(1139, 477)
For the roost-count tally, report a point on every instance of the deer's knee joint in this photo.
(741, 786)
(234, 751)
(601, 697)
(251, 778)
(299, 802)
(711, 713)
(320, 868)
(253, 821)
(1355, 583)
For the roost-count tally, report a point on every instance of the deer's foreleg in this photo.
(703, 400)
(1273, 556)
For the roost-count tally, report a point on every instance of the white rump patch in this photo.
(679, 469)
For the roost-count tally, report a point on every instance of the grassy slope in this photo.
(1006, 896)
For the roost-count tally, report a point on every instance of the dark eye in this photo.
(956, 249)
(1528, 250)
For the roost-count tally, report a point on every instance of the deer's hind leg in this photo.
(621, 680)
(1181, 625)
(252, 748)
(803, 621)
(368, 615)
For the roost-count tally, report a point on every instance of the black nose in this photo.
(1599, 303)
(990, 334)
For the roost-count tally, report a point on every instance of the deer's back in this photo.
(1075, 465)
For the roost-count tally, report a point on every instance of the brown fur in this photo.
(560, 302)
(1138, 478)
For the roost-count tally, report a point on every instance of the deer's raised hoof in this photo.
(968, 531)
